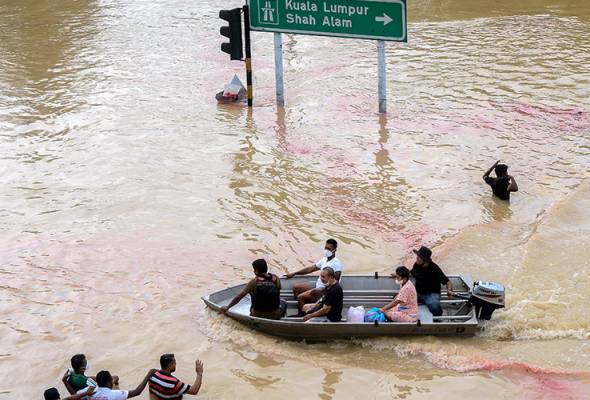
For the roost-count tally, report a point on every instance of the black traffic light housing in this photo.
(234, 32)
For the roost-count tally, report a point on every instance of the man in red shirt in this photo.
(164, 386)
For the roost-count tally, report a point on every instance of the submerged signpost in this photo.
(381, 20)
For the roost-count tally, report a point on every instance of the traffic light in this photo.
(233, 31)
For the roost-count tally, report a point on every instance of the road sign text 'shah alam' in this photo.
(363, 19)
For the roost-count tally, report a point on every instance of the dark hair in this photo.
(260, 265)
(333, 243)
(501, 169)
(51, 394)
(402, 272)
(329, 271)
(77, 361)
(166, 360)
(103, 378)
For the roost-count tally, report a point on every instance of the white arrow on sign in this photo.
(385, 19)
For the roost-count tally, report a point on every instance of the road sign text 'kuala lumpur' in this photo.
(366, 19)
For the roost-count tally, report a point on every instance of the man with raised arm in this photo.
(164, 386)
(503, 184)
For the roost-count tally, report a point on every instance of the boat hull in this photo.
(459, 318)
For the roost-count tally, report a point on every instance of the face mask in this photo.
(399, 282)
(328, 253)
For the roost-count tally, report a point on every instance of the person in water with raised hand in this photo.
(429, 278)
(265, 292)
(404, 307)
(165, 386)
(304, 292)
(503, 184)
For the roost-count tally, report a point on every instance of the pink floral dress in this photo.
(407, 309)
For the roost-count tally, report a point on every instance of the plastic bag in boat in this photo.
(375, 315)
(356, 314)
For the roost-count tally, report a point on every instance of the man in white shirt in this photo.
(105, 391)
(304, 292)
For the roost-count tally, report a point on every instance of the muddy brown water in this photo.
(127, 193)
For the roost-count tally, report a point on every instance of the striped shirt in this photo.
(164, 386)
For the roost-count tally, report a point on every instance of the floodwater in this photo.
(127, 193)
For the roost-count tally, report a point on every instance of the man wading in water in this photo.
(503, 184)
(165, 386)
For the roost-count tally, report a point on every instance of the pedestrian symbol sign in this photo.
(268, 12)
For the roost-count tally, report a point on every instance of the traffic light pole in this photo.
(248, 54)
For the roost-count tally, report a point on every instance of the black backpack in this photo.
(266, 297)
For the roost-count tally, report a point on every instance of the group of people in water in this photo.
(162, 384)
(321, 301)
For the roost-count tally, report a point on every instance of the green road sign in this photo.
(363, 19)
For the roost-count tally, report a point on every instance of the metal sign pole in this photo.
(279, 82)
(382, 86)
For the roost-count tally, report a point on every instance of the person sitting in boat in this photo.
(265, 292)
(404, 307)
(329, 309)
(304, 293)
(503, 184)
(429, 278)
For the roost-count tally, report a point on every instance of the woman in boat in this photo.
(404, 307)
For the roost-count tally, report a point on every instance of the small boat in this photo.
(473, 302)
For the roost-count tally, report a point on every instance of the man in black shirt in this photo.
(329, 308)
(503, 184)
(265, 293)
(429, 278)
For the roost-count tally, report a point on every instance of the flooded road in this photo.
(127, 193)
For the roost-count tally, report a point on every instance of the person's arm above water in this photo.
(195, 387)
(513, 187)
(489, 171)
(137, 391)
(65, 379)
(303, 271)
(81, 395)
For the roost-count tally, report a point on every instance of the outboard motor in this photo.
(487, 297)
